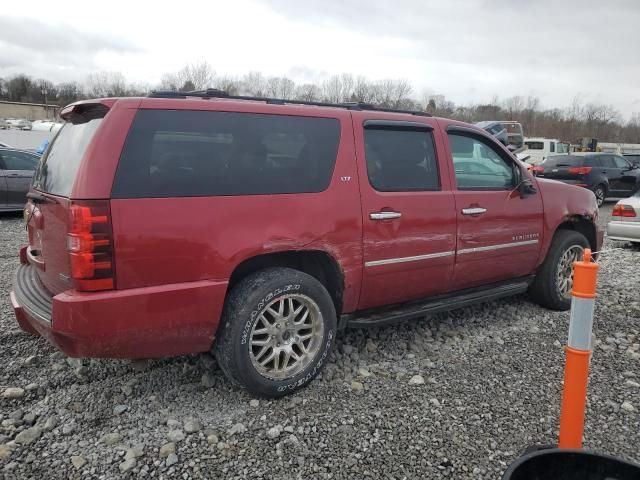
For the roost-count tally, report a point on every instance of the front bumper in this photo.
(625, 231)
(145, 322)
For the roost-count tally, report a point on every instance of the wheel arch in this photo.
(582, 224)
(317, 263)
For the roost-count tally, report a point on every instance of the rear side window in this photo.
(12, 160)
(534, 145)
(552, 147)
(401, 160)
(184, 153)
(58, 167)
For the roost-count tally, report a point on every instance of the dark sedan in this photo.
(605, 174)
(16, 170)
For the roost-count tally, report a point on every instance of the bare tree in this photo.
(308, 92)
(254, 83)
(106, 84)
(194, 76)
(280, 87)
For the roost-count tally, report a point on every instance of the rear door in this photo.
(18, 169)
(499, 231)
(48, 207)
(408, 211)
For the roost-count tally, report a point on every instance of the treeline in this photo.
(579, 119)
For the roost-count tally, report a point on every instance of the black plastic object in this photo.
(564, 464)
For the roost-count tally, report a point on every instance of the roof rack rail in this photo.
(215, 93)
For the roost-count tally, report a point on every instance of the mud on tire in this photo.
(280, 313)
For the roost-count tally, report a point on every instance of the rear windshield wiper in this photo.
(38, 197)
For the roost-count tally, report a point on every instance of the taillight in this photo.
(623, 211)
(90, 245)
(580, 170)
(537, 169)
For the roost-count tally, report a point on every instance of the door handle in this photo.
(13, 175)
(473, 210)
(384, 215)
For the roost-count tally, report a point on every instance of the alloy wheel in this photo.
(286, 336)
(564, 273)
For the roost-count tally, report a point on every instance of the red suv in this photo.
(185, 222)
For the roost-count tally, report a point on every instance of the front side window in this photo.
(478, 166)
(621, 163)
(18, 160)
(401, 159)
(184, 153)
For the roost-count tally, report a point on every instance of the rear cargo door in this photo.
(47, 211)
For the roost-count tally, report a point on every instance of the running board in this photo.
(396, 313)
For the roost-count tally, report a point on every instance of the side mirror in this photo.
(526, 188)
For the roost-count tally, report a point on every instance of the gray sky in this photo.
(468, 50)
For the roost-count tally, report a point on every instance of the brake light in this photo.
(89, 244)
(580, 170)
(537, 169)
(623, 211)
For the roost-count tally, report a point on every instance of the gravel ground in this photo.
(457, 395)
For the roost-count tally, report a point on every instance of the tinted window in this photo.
(552, 146)
(478, 166)
(592, 162)
(18, 160)
(621, 162)
(564, 161)
(59, 165)
(535, 145)
(175, 153)
(401, 159)
(607, 161)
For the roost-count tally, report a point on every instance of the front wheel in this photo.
(554, 281)
(601, 193)
(276, 331)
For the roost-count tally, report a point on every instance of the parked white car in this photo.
(19, 123)
(539, 149)
(4, 125)
(625, 220)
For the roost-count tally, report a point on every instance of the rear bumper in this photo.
(625, 231)
(143, 322)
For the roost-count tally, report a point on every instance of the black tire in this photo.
(248, 299)
(545, 290)
(600, 191)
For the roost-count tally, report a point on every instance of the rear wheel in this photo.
(601, 193)
(276, 332)
(554, 281)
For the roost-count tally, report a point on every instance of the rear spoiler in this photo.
(86, 109)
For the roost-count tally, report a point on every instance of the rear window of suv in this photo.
(59, 165)
(183, 153)
(564, 161)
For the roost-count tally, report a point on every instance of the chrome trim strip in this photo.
(389, 261)
(497, 247)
